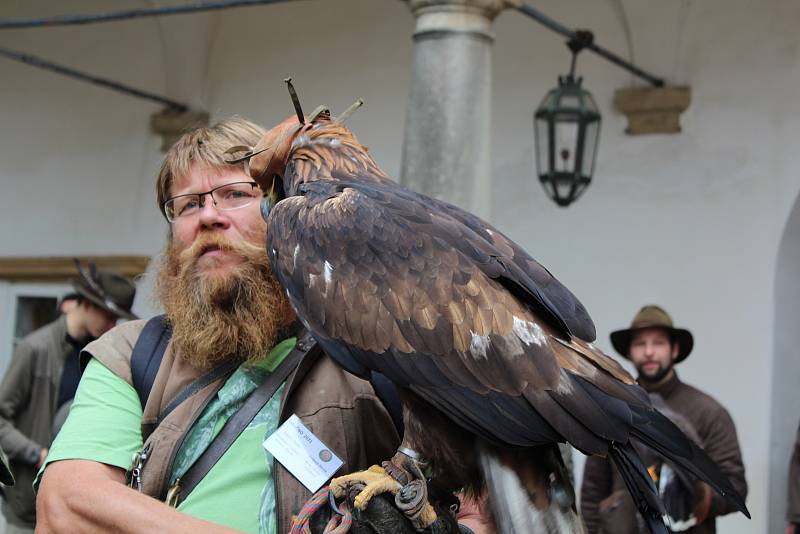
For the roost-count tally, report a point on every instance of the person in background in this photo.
(793, 504)
(42, 378)
(68, 302)
(655, 346)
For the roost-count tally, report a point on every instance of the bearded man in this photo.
(231, 330)
(654, 346)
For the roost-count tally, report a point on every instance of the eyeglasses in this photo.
(225, 197)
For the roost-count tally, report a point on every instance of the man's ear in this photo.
(676, 349)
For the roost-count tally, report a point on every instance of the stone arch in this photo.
(785, 401)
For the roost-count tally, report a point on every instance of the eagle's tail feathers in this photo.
(640, 486)
(659, 433)
(528, 491)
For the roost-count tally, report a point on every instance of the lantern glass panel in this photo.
(570, 101)
(563, 190)
(542, 146)
(566, 140)
(590, 148)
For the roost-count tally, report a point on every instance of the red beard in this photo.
(214, 317)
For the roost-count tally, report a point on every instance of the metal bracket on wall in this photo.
(557, 27)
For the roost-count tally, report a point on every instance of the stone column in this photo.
(446, 151)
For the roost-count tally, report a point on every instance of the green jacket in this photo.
(28, 396)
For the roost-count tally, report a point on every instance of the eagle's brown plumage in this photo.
(488, 349)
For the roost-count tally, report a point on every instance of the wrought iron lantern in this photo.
(567, 129)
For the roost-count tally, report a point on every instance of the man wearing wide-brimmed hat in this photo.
(43, 377)
(654, 345)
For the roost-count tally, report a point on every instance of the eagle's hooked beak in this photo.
(272, 196)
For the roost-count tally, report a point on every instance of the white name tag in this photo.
(302, 454)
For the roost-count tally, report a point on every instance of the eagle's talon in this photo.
(375, 481)
(411, 498)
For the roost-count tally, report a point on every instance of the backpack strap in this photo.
(147, 354)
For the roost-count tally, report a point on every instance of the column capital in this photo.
(487, 8)
(470, 17)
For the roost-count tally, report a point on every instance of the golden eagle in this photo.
(492, 355)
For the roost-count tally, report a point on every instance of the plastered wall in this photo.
(691, 221)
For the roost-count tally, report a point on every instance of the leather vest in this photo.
(339, 408)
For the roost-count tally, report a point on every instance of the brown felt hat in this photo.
(653, 317)
(110, 291)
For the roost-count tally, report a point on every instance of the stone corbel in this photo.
(171, 124)
(652, 110)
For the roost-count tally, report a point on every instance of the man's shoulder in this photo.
(702, 404)
(699, 395)
(331, 371)
(43, 337)
(333, 385)
(113, 349)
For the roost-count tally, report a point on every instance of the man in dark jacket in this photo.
(43, 376)
(654, 346)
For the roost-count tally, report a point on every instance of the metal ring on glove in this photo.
(411, 498)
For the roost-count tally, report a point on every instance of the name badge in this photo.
(302, 454)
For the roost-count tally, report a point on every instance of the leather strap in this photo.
(239, 421)
(222, 371)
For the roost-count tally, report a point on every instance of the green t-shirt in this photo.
(104, 426)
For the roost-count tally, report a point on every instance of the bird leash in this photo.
(339, 523)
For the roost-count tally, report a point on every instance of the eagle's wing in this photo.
(520, 272)
(498, 256)
(389, 283)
